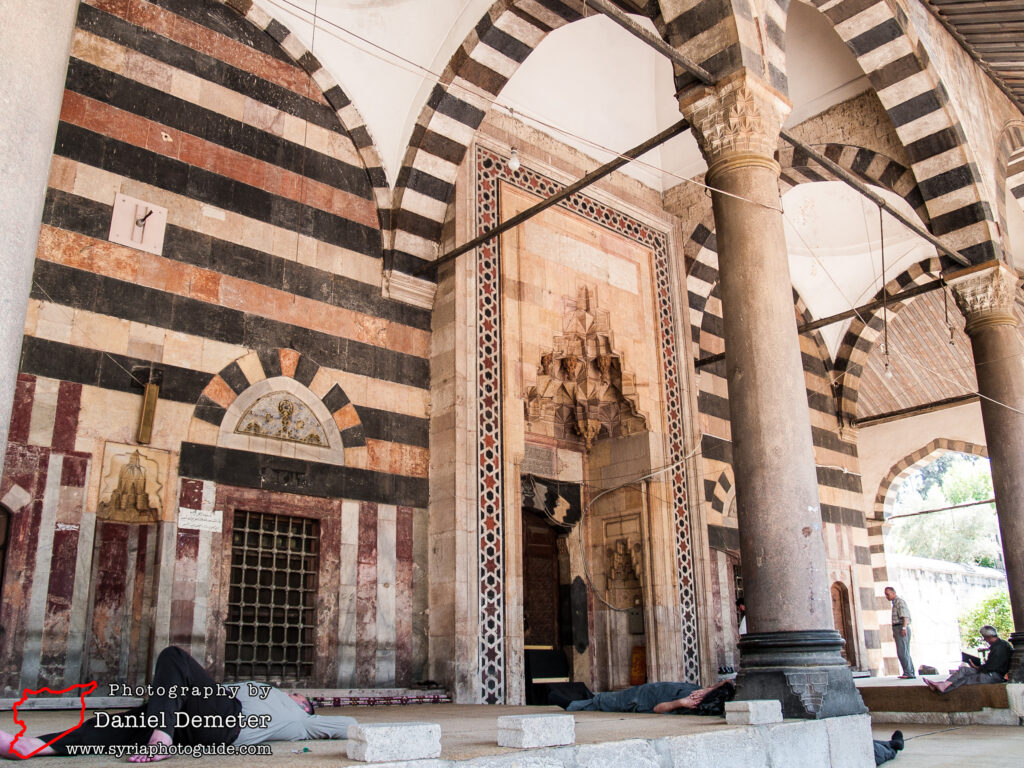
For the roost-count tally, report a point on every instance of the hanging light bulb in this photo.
(888, 367)
(513, 160)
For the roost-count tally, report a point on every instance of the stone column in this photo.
(35, 37)
(792, 651)
(986, 297)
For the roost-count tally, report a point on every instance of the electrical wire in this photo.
(586, 508)
(899, 353)
(410, 66)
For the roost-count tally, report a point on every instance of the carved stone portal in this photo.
(582, 393)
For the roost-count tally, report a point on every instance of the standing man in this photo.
(901, 632)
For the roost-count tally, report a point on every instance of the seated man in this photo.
(992, 671)
(188, 709)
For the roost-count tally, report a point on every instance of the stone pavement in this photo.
(472, 732)
(972, 746)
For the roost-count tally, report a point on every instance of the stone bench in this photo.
(987, 704)
(380, 742)
(528, 731)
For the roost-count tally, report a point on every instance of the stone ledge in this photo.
(984, 716)
(839, 742)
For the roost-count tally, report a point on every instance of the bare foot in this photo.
(19, 747)
(159, 741)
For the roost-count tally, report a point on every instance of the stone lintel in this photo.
(741, 116)
(985, 295)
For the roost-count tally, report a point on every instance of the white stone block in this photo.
(526, 731)
(635, 753)
(379, 742)
(720, 748)
(849, 741)
(1015, 695)
(754, 712)
(801, 743)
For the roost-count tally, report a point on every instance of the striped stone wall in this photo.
(269, 276)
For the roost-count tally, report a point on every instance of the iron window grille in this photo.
(271, 620)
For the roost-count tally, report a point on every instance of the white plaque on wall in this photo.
(201, 519)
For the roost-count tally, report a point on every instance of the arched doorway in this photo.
(841, 618)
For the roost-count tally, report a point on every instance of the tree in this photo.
(993, 610)
(970, 535)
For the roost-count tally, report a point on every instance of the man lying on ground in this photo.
(684, 698)
(657, 698)
(186, 712)
(992, 671)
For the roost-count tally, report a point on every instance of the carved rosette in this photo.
(740, 116)
(986, 298)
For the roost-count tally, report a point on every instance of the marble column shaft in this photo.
(35, 38)
(987, 301)
(791, 651)
(773, 455)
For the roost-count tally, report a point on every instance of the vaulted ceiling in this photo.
(593, 86)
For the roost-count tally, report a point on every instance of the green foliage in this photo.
(993, 610)
(970, 535)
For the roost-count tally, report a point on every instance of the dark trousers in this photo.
(883, 752)
(174, 667)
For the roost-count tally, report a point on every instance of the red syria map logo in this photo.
(84, 688)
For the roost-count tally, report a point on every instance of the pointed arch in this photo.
(889, 52)
(865, 330)
(349, 117)
(240, 384)
(476, 73)
(899, 471)
(1010, 168)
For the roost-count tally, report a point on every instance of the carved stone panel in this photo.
(582, 392)
(132, 484)
(282, 416)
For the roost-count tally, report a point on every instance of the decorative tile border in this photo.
(491, 169)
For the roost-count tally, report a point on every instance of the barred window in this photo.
(272, 600)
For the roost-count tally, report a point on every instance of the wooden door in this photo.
(540, 581)
(841, 619)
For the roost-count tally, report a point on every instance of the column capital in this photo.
(736, 122)
(985, 295)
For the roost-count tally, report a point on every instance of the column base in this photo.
(1017, 660)
(802, 670)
